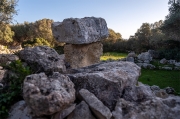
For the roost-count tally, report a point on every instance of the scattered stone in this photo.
(132, 54)
(154, 88)
(1, 86)
(1, 67)
(155, 108)
(146, 65)
(117, 113)
(177, 64)
(137, 93)
(80, 31)
(7, 58)
(83, 55)
(161, 93)
(81, 111)
(3, 74)
(130, 59)
(64, 113)
(97, 107)
(20, 111)
(48, 95)
(163, 61)
(145, 56)
(43, 59)
(169, 90)
(167, 68)
(106, 80)
(176, 68)
(172, 61)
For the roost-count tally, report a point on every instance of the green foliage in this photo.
(171, 26)
(36, 42)
(7, 10)
(161, 78)
(170, 50)
(6, 35)
(13, 91)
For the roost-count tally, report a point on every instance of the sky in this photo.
(123, 16)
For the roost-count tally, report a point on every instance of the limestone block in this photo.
(80, 31)
(106, 80)
(48, 95)
(83, 55)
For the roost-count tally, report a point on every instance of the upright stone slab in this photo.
(83, 55)
(80, 31)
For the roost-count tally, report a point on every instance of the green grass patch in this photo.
(113, 56)
(161, 78)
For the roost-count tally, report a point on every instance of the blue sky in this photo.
(123, 16)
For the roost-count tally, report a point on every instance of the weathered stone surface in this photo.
(177, 64)
(20, 111)
(64, 113)
(7, 58)
(154, 88)
(81, 111)
(130, 59)
(83, 55)
(137, 93)
(166, 68)
(172, 61)
(156, 108)
(163, 61)
(98, 108)
(169, 90)
(47, 95)
(146, 65)
(3, 74)
(132, 54)
(43, 59)
(80, 31)
(106, 80)
(145, 56)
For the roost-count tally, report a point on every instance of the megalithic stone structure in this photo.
(82, 38)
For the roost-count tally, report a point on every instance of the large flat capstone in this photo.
(80, 31)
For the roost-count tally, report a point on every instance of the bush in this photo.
(12, 92)
(35, 42)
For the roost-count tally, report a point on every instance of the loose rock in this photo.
(81, 111)
(48, 95)
(43, 59)
(98, 108)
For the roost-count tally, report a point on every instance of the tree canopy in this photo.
(7, 10)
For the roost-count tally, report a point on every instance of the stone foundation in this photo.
(83, 55)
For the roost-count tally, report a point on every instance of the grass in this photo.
(161, 78)
(113, 56)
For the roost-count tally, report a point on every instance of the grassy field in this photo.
(161, 78)
(113, 56)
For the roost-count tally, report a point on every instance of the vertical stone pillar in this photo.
(83, 55)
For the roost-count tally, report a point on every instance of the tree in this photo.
(6, 35)
(171, 26)
(7, 10)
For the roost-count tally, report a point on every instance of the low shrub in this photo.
(12, 92)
